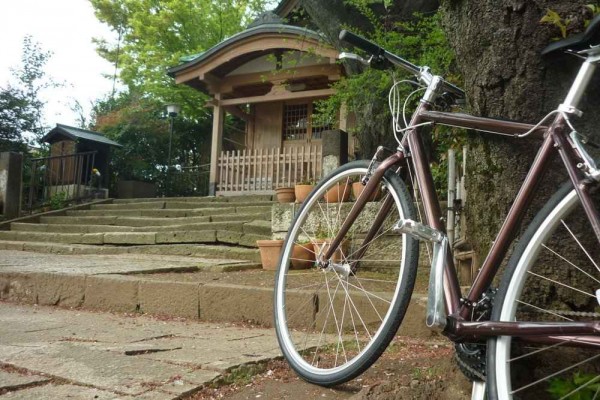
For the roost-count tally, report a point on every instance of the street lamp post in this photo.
(172, 111)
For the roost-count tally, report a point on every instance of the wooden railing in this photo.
(264, 170)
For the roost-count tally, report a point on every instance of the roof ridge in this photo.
(80, 129)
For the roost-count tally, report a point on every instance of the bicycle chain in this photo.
(470, 369)
(575, 313)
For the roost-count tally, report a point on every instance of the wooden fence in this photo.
(264, 170)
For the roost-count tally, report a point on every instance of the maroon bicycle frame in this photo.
(412, 154)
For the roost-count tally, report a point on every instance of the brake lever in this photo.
(355, 57)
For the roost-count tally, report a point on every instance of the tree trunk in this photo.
(498, 44)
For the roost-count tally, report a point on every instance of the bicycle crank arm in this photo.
(436, 308)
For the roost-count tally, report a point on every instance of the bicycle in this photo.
(335, 319)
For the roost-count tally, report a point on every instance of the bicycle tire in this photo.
(540, 284)
(313, 362)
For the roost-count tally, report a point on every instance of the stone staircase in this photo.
(209, 227)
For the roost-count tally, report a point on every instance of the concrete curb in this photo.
(212, 302)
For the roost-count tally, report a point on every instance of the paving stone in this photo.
(130, 238)
(14, 380)
(186, 237)
(59, 289)
(17, 287)
(11, 245)
(53, 392)
(111, 293)
(169, 298)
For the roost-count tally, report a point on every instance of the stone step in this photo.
(232, 297)
(137, 238)
(191, 250)
(221, 199)
(174, 204)
(171, 213)
(262, 228)
(146, 221)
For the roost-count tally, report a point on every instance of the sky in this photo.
(66, 28)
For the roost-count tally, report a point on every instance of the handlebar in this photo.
(422, 74)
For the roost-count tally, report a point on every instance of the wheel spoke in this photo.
(556, 373)
(580, 245)
(332, 324)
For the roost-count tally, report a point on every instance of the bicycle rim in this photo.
(553, 276)
(330, 326)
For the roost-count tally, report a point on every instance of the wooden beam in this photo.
(279, 97)
(241, 114)
(216, 145)
(332, 71)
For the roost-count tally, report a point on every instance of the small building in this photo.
(270, 76)
(74, 153)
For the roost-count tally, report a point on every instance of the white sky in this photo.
(66, 28)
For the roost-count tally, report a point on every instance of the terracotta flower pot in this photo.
(302, 192)
(303, 256)
(285, 195)
(322, 245)
(270, 250)
(357, 189)
(338, 194)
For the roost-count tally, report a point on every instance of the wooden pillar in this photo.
(217, 140)
(11, 178)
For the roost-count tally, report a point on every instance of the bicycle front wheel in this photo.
(553, 275)
(331, 323)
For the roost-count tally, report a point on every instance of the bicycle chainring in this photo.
(471, 360)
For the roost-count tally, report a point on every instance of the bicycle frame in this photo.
(411, 153)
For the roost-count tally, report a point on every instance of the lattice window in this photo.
(317, 129)
(295, 122)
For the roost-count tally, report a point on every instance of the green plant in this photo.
(587, 384)
(563, 24)
(307, 181)
(58, 200)
(420, 40)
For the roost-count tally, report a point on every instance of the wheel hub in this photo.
(342, 269)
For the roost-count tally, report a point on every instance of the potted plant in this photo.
(303, 188)
(285, 194)
(322, 242)
(269, 253)
(357, 188)
(339, 193)
(303, 256)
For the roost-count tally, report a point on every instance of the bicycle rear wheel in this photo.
(553, 275)
(331, 324)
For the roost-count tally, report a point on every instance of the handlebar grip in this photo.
(361, 42)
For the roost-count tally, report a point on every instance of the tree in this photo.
(156, 35)
(498, 48)
(15, 118)
(21, 108)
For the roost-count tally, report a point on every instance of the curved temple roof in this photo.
(304, 35)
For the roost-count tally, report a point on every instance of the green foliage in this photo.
(155, 35)
(58, 200)
(139, 125)
(421, 41)
(20, 105)
(553, 18)
(564, 24)
(560, 387)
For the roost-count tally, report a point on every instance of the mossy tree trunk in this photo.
(498, 44)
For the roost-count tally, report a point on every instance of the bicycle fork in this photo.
(436, 307)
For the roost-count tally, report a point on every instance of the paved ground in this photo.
(49, 353)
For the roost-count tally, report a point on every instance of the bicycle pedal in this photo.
(418, 230)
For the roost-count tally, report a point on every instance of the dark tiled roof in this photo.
(78, 133)
(194, 59)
